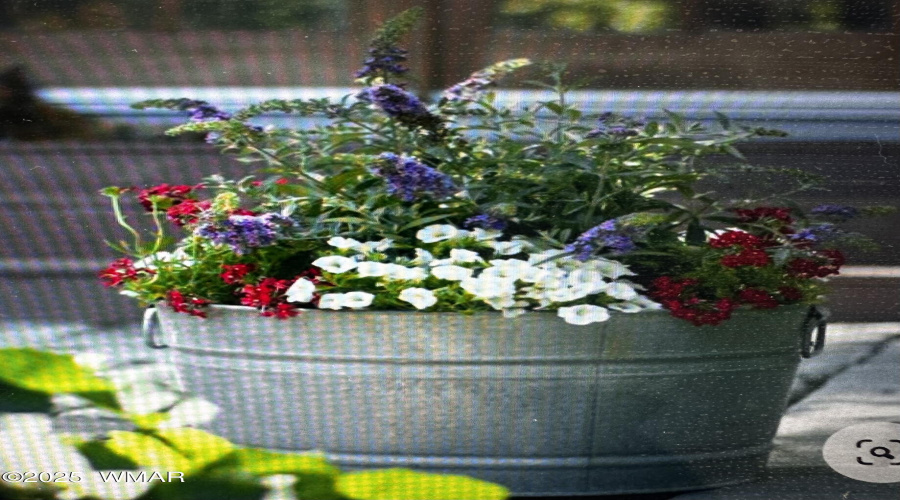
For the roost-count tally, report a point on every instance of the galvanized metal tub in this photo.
(641, 403)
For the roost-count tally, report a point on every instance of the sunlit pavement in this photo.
(855, 379)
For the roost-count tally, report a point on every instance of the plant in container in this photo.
(532, 296)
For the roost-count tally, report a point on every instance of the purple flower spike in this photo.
(839, 213)
(604, 236)
(411, 180)
(245, 232)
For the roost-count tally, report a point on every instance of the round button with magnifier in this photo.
(866, 452)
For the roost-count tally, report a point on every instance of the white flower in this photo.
(332, 301)
(420, 298)
(646, 303)
(441, 262)
(484, 234)
(488, 287)
(151, 262)
(343, 243)
(437, 232)
(501, 302)
(583, 314)
(620, 291)
(301, 291)
(608, 268)
(357, 300)
(508, 247)
(93, 360)
(191, 411)
(370, 269)
(402, 273)
(452, 273)
(335, 264)
(589, 279)
(537, 259)
(568, 294)
(374, 246)
(422, 257)
(626, 307)
(458, 255)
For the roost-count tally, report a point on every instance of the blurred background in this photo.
(825, 70)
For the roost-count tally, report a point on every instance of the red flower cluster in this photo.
(187, 305)
(751, 253)
(736, 238)
(758, 298)
(782, 214)
(687, 306)
(269, 297)
(120, 271)
(828, 262)
(186, 212)
(235, 273)
(747, 257)
(167, 196)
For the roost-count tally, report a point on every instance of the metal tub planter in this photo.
(641, 403)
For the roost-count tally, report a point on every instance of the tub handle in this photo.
(815, 323)
(151, 330)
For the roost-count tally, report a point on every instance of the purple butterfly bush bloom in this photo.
(485, 221)
(395, 101)
(411, 180)
(382, 61)
(819, 233)
(839, 213)
(245, 232)
(607, 235)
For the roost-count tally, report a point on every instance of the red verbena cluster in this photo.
(194, 306)
(234, 273)
(268, 295)
(750, 252)
(165, 195)
(187, 211)
(683, 303)
(120, 271)
(825, 263)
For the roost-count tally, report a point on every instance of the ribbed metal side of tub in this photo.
(640, 403)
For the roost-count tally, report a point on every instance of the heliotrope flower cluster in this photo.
(395, 101)
(485, 221)
(410, 180)
(245, 232)
(609, 236)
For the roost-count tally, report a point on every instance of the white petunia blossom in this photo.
(508, 247)
(437, 232)
(420, 298)
(626, 307)
(488, 287)
(452, 273)
(589, 279)
(301, 291)
(485, 234)
(357, 300)
(422, 257)
(334, 301)
(402, 273)
(343, 243)
(372, 269)
(335, 264)
(583, 314)
(458, 255)
(621, 291)
(501, 302)
(179, 256)
(374, 246)
(609, 268)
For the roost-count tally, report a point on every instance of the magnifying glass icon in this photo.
(882, 452)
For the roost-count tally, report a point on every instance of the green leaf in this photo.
(102, 458)
(265, 463)
(17, 400)
(403, 484)
(147, 451)
(199, 446)
(51, 373)
(555, 107)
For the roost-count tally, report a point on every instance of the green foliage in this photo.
(213, 467)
